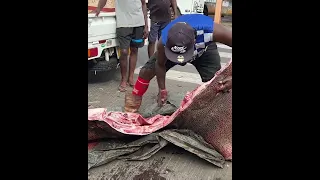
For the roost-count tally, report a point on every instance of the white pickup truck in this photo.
(103, 51)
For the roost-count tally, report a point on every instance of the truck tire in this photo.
(103, 65)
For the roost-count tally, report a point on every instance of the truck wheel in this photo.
(103, 65)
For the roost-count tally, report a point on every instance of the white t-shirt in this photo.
(129, 13)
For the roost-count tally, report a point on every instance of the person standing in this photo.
(160, 15)
(132, 29)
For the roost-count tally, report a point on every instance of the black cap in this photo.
(180, 43)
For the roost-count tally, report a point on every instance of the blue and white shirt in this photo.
(202, 24)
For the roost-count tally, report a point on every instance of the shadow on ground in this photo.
(100, 77)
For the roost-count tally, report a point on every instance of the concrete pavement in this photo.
(171, 162)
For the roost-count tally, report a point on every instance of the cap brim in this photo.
(175, 57)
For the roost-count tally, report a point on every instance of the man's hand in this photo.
(175, 16)
(225, 84)
(174, 8)
(144, 10)
(145, 32)
(101, 4)
(162, 97)
(96, 12)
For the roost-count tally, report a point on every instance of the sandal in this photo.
(122, 89)
(131, 85)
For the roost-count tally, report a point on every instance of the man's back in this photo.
(129, 13)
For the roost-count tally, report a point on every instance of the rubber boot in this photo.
(132, 102)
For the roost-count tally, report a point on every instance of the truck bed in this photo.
(170, 163)
(101, 27)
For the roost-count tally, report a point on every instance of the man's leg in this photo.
(132, 64)
(137, 41)
(148, 72)
(208, 64)
(124, 38)
(153, 36)
(162, 26)
(133, 100)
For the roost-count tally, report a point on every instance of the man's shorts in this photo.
(130, 37)
(207, 65)
(155, 30)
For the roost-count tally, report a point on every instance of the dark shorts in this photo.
(130, 37)
(155, 30)
(207, 64)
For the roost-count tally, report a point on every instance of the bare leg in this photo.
(147, 74)
(123, 68)
(133, 102)
(132, 64)
(148, 71)
(151, 47)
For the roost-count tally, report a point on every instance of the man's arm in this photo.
(101, 4)
(160, 66)
(174, 7)
(222, 34)
(144, 10)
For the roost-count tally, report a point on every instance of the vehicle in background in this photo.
(210, 5)
(103, 47)
(190, 6)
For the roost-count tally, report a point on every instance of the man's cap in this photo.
(180, 43)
